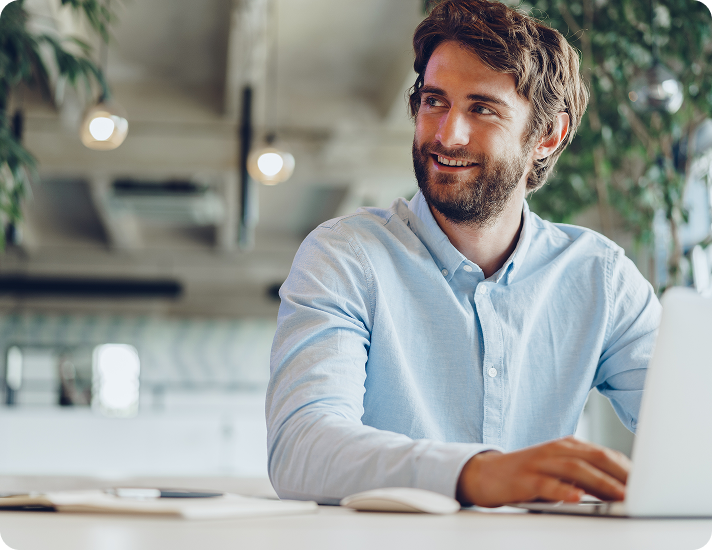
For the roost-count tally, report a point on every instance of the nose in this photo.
(453, 129)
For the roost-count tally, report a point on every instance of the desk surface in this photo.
(330, 528)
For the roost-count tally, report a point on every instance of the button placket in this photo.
(493, 383)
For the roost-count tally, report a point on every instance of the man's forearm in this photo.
(327, 457)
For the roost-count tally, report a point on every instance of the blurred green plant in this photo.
(623, 160)
(24, 55)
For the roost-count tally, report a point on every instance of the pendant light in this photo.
(656, 89)
(104, 126)
(272, 163)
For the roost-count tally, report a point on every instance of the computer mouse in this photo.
(401, 499)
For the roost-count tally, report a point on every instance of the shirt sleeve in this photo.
(318, 448)
(634, 317)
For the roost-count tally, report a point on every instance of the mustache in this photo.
(457, 153)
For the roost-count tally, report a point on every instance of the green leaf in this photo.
(22, 60)
(639, 174)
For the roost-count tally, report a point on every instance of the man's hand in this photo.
(564, 469)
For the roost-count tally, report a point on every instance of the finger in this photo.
(536, 488)
(614, 463)
(582, 474)
(544, 487)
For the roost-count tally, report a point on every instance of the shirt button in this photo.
(492, 372)
(482, 289)
(467, 268)
(444, 272)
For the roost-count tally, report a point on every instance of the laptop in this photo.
(671, 472)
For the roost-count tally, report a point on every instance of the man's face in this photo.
(468, 153)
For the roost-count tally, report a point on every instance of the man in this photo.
(450, 343)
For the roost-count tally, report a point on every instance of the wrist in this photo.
(469, 480)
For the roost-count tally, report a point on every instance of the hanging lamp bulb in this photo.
(270, 165)
(104, 126)
(657, 89)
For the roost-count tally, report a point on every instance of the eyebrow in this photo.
(471, 97)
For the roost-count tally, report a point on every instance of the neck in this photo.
(490, 246)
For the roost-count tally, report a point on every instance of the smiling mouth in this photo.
(444, 161)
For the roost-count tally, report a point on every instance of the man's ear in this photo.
(548, 144)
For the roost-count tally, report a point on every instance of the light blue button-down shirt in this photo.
(395, 360)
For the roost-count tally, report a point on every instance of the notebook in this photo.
(671, 472)
(225, 506)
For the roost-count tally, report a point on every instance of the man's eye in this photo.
(482, 110)
(431, 101)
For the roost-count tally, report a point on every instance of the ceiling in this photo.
(330, 75)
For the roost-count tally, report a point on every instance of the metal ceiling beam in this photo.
(248, 48)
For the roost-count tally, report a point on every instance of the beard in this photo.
(473, 201)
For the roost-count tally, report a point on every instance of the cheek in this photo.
(421, 129)
(426, 127)
(492, 138)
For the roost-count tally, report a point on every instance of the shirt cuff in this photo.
(441, 465)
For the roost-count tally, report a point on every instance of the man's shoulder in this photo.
(564, 236)
(365, 221)
(369, 216)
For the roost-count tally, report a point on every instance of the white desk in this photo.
(330, 528)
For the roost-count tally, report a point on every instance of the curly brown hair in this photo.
(544, 65)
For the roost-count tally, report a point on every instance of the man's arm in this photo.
(318, 447)
(634, 317)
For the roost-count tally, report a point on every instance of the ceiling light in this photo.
(101, 128)
(104, 127)
(657, 89)
(270, 165)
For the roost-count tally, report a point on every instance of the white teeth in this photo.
(448, 162)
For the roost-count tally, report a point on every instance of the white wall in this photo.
(200, 439)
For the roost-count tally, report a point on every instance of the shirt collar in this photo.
(514, 262)
(446, 256)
